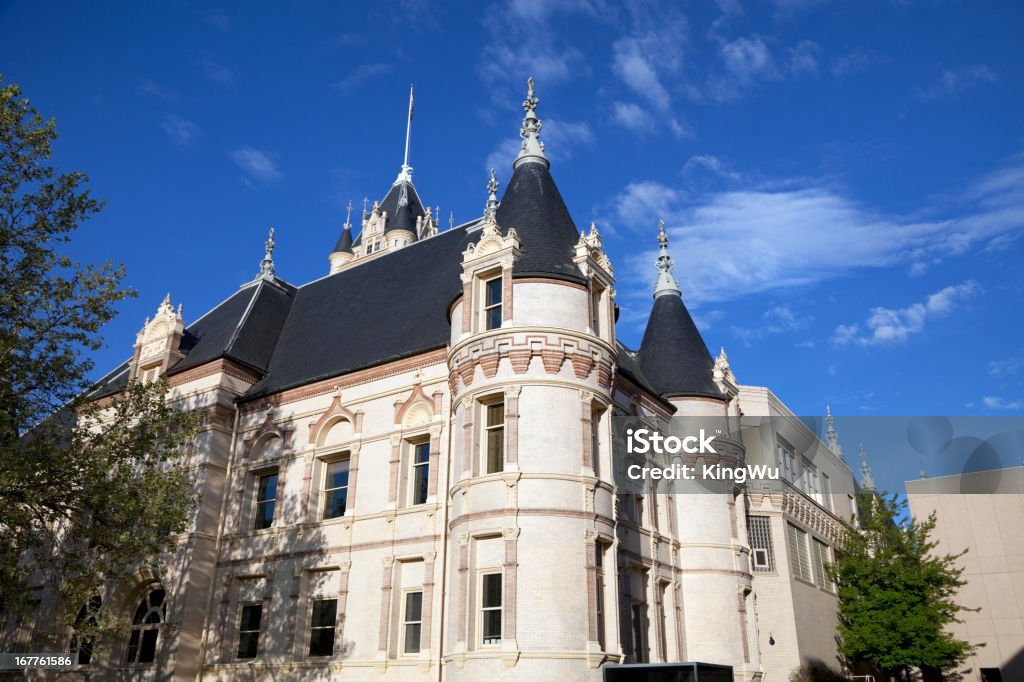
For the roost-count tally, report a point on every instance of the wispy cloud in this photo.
(954, 81)
(803, 59)
(256, 164)
(773, 236)
(633, 116)
(889, 326)
(776, 320)
(181, 131)
(710, 164)
(360, 75)
(854, 62)
(214, 71)
(560, 139)
(150, 87)
(997, 403)
(1006, 368)
(217, 18)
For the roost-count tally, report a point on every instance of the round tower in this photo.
(531, 360)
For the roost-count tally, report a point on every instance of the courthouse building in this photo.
(406, 472)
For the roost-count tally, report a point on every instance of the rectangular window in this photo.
(322, 623)
(412, 622)
(826, 491)
(821, 558)
(266, 500)
(595, 439)
(759, 531)
(809, 479)
(336, 488)
(494, 438)
(599, 549)
(490, 608)
(595, 311)
(492, 303)
(786, 463)
(799, 554)
(420, 478)
(638, 629)
(638, 510)
(249, 630)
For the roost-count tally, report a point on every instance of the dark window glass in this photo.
(492, 303)
(145, 634)
(491, 608)
(249, 630)
(495, 434)
(639, 650)
(336, 489)
(413, 621)
(266, 500)
(321, 627)
(420, 472)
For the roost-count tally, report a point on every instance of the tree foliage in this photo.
(897, 597)
(88, 489)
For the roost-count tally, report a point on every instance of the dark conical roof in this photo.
(402, 216)
(344, 244)
(673, 355)
(534, 207)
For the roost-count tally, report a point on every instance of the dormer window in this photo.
(492, 303)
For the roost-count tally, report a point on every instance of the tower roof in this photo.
(673, 355)
(344, 243)
(403, 206)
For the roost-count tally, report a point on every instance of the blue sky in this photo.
(843, 182)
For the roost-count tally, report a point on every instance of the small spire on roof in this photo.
(666, 282)
(405, 175)
(867, 479)
(491, 209)
(831, 435)
(451, 219)
(267, 264)
(532, 148)
(348, 216)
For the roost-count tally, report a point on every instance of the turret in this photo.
(342, 253)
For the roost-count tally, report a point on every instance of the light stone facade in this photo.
(588, 576)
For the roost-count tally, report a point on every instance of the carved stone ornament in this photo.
(162, 333)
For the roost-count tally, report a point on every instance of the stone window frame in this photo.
(240, 609)
(403, 624)
(410, 444)
(308, 641)
(482, 454)
(480, 608)
(256, 475)
(321, 466)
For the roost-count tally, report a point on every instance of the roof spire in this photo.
(867, 479)
(532, 148)
(491, 209)
(405, 175)
(831, 435)
(666, 282)
(348, 216)
(267, 264)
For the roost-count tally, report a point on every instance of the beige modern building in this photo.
(406, 472)
(989, 526)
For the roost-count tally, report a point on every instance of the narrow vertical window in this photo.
(490, 608)
(639, 510)
(266, 500)
(492, 303)
(662, 621)
(759, 533)
(799, 554)
(595, 440)
(149, 614)
(412, 622)
(826, 490)
(322, 622)
(599, 591)
(821, 558)
(83, 635)
(595, 312)
(638, 630)
(420, 477)
(494, 438)
(336, 488)
(249, 630)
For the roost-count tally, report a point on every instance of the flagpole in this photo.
(408, 129)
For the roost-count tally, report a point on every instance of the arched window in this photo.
(84, 633)
(149, 614)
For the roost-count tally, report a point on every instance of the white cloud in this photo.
(633, 116)
(633, 68)
(997, 403)
(804, 58)
(749, 59)
(1006, 368)
(359, 75)
(711, 164)
(214, 71)
(256, 164)
(854, 62)
(561, 138)
(758, 238)
(218, 18)
(888, 326)
(955, 81)
(147, 86)
(776, 320)
(180, 130)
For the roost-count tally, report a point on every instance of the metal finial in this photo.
(348, 216)
(666, 282)
(865, 470)
(366, 202)
(491, 209)
(831, 435)
(532, 148)
(451, 220)
(267, 264)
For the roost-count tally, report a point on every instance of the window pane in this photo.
(156, 598)
(325, 613)
(264, 515)
(496, 414)
(420, 483)
(413, 606)
(252, 614)
(147, 652)
(491, 590)
(248, 644)
(492, 626)
(335, 502)
(412, 638)
(494, 292)
(494, 318)
(422, 454)
(268, 487)
(495, 450)
(337, 474)
(133, 646)
(321, 642)
(140, 613)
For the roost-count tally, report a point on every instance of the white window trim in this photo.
(481, 609)
(485, 403)
(403, 622)
(325, 463)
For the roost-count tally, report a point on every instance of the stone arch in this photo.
(267, 445)
(331, 419)
(416, 410)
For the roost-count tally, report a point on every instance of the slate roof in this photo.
(402, 217)
(673, 356)
(344, 243)
(533, 206)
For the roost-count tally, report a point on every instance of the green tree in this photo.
(88, 489)
(896, 595)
